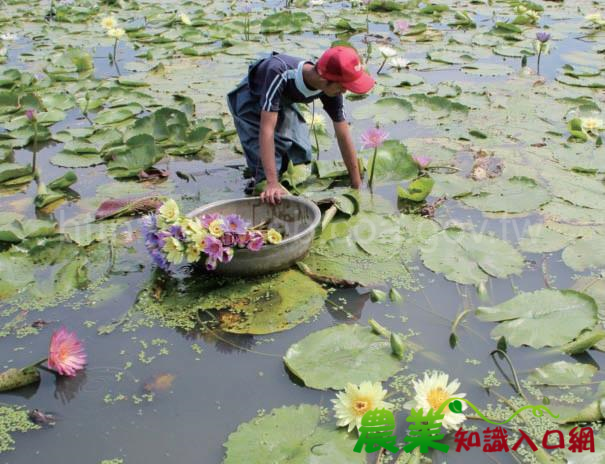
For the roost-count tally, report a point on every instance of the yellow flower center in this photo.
(436, 397)
(361, 407)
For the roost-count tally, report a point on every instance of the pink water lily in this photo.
(208, 218)
(401, 26)
(66, 353)
(373, 138)
(256, 241)
(422, 161)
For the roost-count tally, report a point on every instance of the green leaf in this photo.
(291, 434)
(562, 373)
(385, 110)
(285, 22)
(541, 318)
(138, 154)
(586, 253)
(417, 190)
(10, 171)
(265, 305)
(63, 182)
(333, 357)
(378, 296)
(470, 258)
(393, 162)
(114, 115)
(514, 195)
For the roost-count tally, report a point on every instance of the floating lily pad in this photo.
(514, 195)
(586, 253)
(470, 258)
(266, 305)
(542, 318)
(385, 110)
(333, 357)
(563, 373)
(291, 434)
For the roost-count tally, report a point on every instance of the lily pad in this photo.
(393, 162)
(586, 253)
(563, 373)
(470, 258)
(266, 305)
(514, 195)
(333, 357)
(291, 434)
(385, 110)
(542, 318)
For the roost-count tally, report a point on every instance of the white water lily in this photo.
(109, 22)
(9, 37)
(534, 15)
(592, 125)
(399, 62)
(356, 400)
(432, 392)
(185, 19)
(387, 52)
(316, 2)
(116, 33)
(318, 121)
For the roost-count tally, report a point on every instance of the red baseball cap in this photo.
(342, 64)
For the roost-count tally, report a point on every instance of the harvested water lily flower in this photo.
(173, 248)
(185, 19)
(543, 36)
(227, 255)
(351, 405)
(210, 264)
(208, 218)
(66, 353)
(256, 241)
(216, 227)
(401, 26)
(235, 224)
(273, 236)
(169, 211)
(194, 251)
(213, 247)
(116, 33)
(373, 138)
(432, 391)
(109, 22)
(399, 62)
(592, 125)
(387, 52)
(422, 161)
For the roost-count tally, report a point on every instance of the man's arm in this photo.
(266, 139)
(348, 152)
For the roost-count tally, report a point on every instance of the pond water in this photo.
(215, 380)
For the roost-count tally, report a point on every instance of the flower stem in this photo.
(539, 56)
(36, 364)
(381, 66)
(115, 58)
(35, 147)
(372, 168)
(315, 130)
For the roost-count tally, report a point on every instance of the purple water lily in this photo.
(256, 241)
(210, 264)
(159, 259)
(154, 240)
(177, 232)
(235, 224)
(208, 218)
(30, 114)
(543, 37)
(242, 239)
(401, 26)
(227, 255)
(213, 247)
(228, 239)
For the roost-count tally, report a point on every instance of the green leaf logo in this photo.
(456, 406)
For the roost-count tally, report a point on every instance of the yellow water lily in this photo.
(116, 33)
(169, 211)
(216, 228)
(534, 15)
(173, 249)
(194, 251)
(185, 19)
(356, 400)
(432, 391)
(109, 22)
(273, 236)
(594, 17)
(592, 125)
(193, 227)
(319, 121)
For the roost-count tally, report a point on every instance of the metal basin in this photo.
(297, 217)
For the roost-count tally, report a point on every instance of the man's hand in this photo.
(273, 193)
